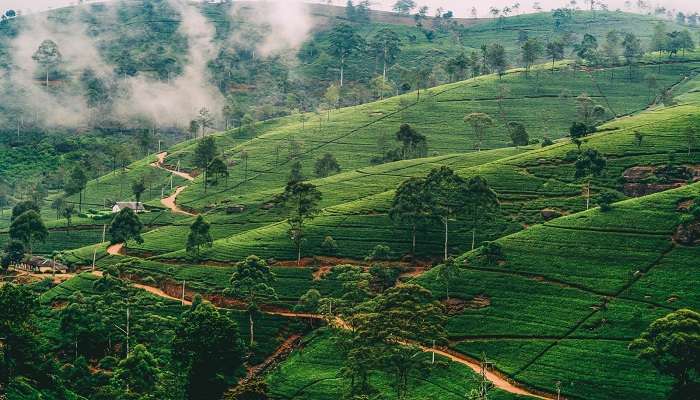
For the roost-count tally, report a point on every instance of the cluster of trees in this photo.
(444, 196)
(143, 351)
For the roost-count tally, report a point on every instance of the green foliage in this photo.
(329, 246)
(380, 252)
(138, 373)
(125, 226)
(301, 200)
(479, 122)
(326, 165)
(28, 228)
(208, 347)
(199, 236)
(251, 282)
(518, 134)
(672, 344)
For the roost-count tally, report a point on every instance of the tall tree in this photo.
(496, 58)
(48, 56)
(404, 7)
(589, 163)
(244, 155)
(326, 165)
(204, 120)
(672, 345)
(480, 199)
(587, 50)
(125, 226)
(218, 169)
(208, 347)
(28, 228)
(77, 181)
(199, 236)
(690, 133)
(343, 42)
(252, 283)
(386, 45)
(518, 133)
(385, 326)
(302, 202)
(138, 374)
(555, 52)
(532, 50)
(22, 207)
(204, 154)
(413, 144)
(332, 97)
(138, 187)
(447, 272)
(67, 212)
(410, 206)
(632, 50)
(446, 191)
(479, 123)
(295, 173)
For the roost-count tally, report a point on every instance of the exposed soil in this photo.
(321, 273)
(644, 180)
(455, 306)
(170, 202)
(160, 163)
(496, 378)
(116, 249)
(685, 205)
(687, 234)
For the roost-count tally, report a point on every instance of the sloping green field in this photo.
(568, 296)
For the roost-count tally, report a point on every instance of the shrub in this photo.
(329, 246)
(379, 253)
(547, 141)
(149, 280)
(605, 201)
(492, 251)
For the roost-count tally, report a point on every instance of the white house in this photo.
(120, 205)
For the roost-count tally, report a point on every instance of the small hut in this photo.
(137, 207)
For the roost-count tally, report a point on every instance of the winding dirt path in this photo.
(170, 202)
(496, 378)
(160, 163)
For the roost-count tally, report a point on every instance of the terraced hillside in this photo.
(568, 296)
(527, 184)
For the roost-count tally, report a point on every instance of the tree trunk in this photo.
(299, 253)
(444, 220)
(473, 237)
(588, 194)
(250, 318)
(47, 78)
(413, 244)
(342, 71)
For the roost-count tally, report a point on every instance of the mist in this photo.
(176, 102)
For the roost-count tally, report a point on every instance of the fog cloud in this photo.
(288, 22)
(177, 101)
